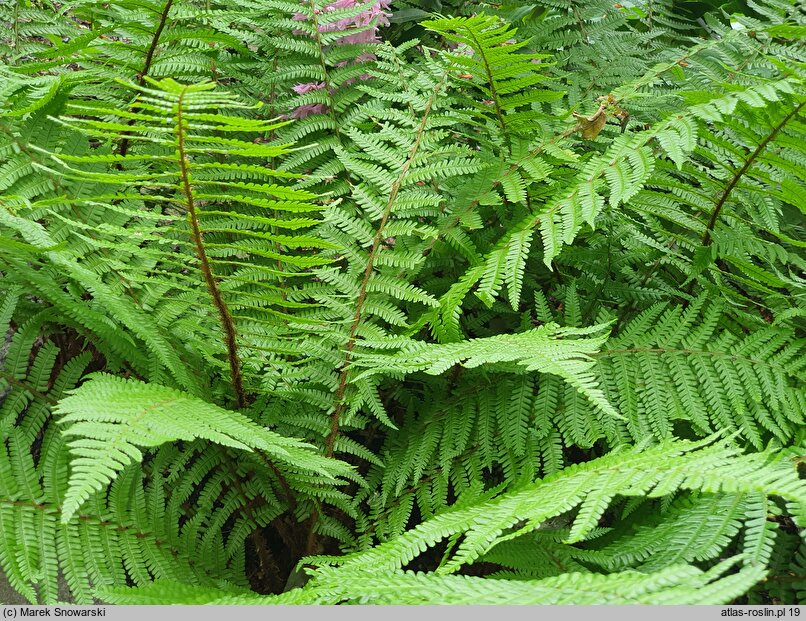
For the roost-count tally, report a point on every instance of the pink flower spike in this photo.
(340, 4)
(301, 89)
(308, 110)
(366, 23)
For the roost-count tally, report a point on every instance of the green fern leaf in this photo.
(113, 417)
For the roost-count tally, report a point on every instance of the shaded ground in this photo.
(9, 596)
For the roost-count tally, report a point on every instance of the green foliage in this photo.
(494, 305)
(498, 70)
(719, 380)
(677, 585)
(658, 471)
(547, 349)
(374, 575)
(112, 417)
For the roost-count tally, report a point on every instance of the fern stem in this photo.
(123, 147)
(227, 323)
(362, 291)
(488, 71)
(706, 238)
(287, 491)
(141, 77)
(605, 353)
(581, 24)
(267, 564)
(13, 381)
(16, 27)
(457, 218)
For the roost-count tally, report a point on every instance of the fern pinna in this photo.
(347, 302)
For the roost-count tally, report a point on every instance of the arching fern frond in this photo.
(682, 584)
(591, 486)
(114, 540)
(548, 349)
(113, 417)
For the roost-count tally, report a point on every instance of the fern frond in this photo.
(548, 349)
(112, 417)
(682, 584)
(655, 472)
(751, 384)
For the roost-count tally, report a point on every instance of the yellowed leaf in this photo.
(590, 126)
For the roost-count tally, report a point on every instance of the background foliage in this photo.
(417, 302)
